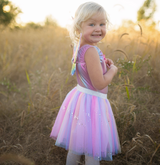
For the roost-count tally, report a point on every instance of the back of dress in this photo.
(85, 124)
(81, 69)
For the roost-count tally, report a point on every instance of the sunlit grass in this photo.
(35, 77)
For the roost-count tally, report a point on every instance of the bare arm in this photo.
(95, 72)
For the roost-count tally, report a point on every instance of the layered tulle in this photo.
(85, 125)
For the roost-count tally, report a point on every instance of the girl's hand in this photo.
(108, 62)
(113, 67)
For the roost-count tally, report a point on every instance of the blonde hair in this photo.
(83, 13)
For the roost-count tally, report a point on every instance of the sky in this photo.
(63, 10)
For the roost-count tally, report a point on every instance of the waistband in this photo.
(91, 92)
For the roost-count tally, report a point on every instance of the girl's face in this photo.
(93, 30)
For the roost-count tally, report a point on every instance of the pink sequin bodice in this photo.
(81, 69)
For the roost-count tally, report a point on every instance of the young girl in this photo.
(85, 123)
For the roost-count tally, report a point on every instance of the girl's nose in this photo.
(98, 28)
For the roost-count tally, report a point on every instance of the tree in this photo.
(8, 12)
(33, 25)
(147, 10)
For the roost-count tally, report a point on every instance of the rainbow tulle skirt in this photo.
(85, 125)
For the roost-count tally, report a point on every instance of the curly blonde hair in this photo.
(83, 13)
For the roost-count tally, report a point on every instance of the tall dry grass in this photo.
(35, 78)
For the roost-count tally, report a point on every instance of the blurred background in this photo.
(63, 11)
(35, 65)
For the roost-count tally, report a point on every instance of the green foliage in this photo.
(8, 12)
(127, 91)
(28, 79)
(147, 10)
(133, 66)
(11, 87)
(129, 69)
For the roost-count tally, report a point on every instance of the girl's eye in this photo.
(102, 24)
(91, 24)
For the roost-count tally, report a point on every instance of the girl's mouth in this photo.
(96, 34)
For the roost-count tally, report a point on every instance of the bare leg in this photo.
(72, 159)
(91, 161)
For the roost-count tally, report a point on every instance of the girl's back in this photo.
(81, 70)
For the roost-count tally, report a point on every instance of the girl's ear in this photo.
(78, 31)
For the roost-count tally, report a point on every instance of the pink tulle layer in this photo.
(85, 125)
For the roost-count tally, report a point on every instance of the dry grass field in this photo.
(35, 78)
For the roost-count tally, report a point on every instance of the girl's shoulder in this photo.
(85, 47)
(82, 51)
